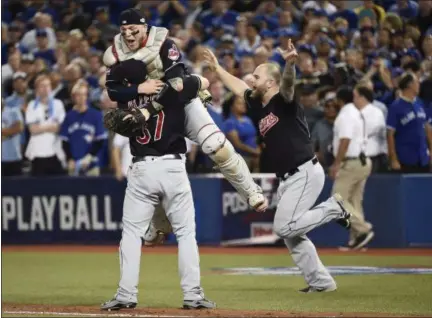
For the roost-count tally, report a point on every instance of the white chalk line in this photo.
(79, 314)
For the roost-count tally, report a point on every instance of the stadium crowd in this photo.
(53, 95)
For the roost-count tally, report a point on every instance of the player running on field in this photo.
(288, 145)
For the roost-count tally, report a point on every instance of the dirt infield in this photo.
(88, 311)
(212, 250)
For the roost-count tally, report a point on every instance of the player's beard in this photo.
(257, 93)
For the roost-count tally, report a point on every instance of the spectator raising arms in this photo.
(83, 134)
(44, 115)
(242, 133)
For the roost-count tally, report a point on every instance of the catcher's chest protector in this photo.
(148, 54)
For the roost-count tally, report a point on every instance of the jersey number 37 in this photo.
(144, 140)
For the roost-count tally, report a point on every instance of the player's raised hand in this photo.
(210, 58)
(290, 55)
(150, 87)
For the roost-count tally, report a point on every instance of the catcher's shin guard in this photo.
(230, 164)
(236, 171)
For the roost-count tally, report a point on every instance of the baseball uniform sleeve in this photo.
(250, 102)
(117, 91)
(315, 138)
(191, 87)
(171, 60)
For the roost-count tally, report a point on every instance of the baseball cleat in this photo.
(347, 211)
(115, 304)
(199, 304)
(362, 240)
(311, 289)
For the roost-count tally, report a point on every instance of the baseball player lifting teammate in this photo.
(157, 176)
(150, 44)
(287, 142)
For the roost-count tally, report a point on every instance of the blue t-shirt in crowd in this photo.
(48, 55)
(272, 21)
(408, 119)
(216, 116)
(245, 129)
(11, 147)
(81, 130)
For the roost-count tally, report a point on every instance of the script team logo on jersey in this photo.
(173, 53)
(267, 123)
(141, 102)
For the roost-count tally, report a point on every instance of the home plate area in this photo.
(334, 270)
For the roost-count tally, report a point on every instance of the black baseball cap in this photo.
(130, 71)
(132, 16)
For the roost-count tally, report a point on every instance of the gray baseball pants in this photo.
(158, 180)
(295, 217)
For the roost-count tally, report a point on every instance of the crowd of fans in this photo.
(53, 94)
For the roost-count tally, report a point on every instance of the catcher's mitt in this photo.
(159, 228)
(125, 122)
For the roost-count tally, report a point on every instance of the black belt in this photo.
(362, 158)
(164, 157)
(286, 175)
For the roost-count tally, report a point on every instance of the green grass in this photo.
(91, 278)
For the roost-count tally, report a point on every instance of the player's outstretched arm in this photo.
(236, 85)
(289, 74)
(288, 82)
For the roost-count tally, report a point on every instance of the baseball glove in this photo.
(159, 228)
(125, 122)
